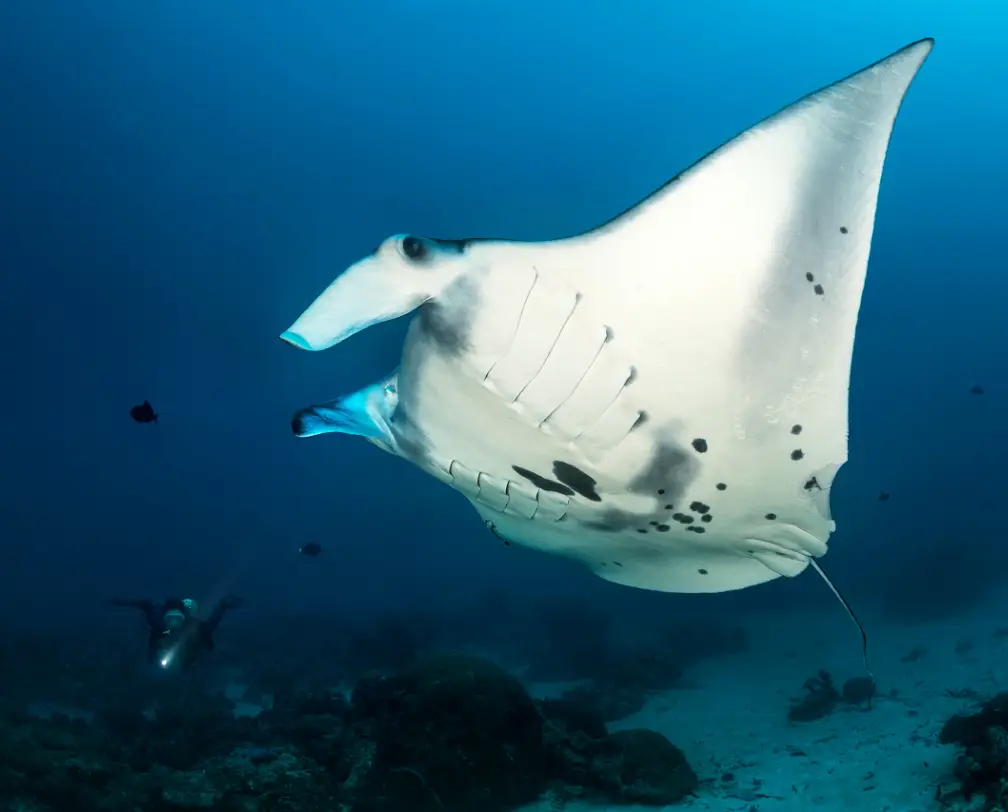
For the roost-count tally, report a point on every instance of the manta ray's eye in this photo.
(414, 248)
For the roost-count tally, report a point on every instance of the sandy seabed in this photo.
(732, 722)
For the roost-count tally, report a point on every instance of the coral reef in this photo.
(982, 769)
(820, 699)
(449, 733)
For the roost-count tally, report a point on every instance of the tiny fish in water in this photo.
(144, 413)
(883, 497)
(310, 549)
(977, 390)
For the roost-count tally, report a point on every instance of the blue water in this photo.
(180, 179)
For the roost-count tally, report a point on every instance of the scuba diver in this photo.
(177, 634)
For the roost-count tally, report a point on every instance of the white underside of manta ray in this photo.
(663, 398)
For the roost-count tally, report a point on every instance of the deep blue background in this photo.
(180, 179)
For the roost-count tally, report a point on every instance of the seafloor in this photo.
(315, 718)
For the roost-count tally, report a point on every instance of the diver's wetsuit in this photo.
(181, 642)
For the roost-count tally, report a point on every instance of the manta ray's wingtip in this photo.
(924, 45)
(919, 49)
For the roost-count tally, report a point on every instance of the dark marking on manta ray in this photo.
(663, 528)
(448, 327)
(698, 507)
(721, 486)
(796, 429)
(818, 290)
(702, 571)
(642, 418)
(812, 483)
(810, 277)
(574, 477)
(617, 563)
(542, 482)
(706, 518)
(641, 529)
(843, 229)
(670, 470)
(696, 529)
(797, 454)
(669, 506)
(771, 516)
(700, 444)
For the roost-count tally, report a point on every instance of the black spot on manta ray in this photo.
(796, 429)
(843, 229)
(574, 477)
(818, 290)
(702, 571)
(700, 444)
(542, 482)
(797, 454)
(721, 486)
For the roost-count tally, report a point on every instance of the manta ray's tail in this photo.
(847, 607)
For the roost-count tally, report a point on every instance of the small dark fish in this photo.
(311, 549)
(883, 497)
(144, 413)
(976, 390)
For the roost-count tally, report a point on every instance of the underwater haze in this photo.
(181, 179)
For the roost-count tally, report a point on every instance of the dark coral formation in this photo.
(447, 734)
(859, 691)
(820, 699)
(821, 696)
(982, 769)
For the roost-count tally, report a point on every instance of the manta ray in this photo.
(663, 398)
